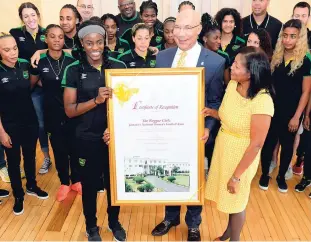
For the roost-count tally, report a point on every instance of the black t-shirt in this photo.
(133, 60)
(16, 107)
(72, 43)
(125, 24)
(225, 55)
(272, 25)
(159, 25)
(50, 72)
(232, 49)
(26, 44)
(156, 40)
(288, 88)
(87, 80)
(121, 47)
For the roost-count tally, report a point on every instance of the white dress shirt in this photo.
(191, 60)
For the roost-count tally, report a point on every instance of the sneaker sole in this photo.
(20, 213)
(298, 174)
(3, 196)
(113, 236)
(35, 195)
(263, 188)
(303, 189)
(43, 172)
(282, 190)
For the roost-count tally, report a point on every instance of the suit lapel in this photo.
(171, 57)
(201, 60)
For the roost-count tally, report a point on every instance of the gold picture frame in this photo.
(199, 75)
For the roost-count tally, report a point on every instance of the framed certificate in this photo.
(156, 153)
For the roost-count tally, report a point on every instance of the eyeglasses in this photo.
(130, 3)
(186, 28)
(85, 7)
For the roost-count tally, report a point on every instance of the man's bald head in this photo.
(85, 8)
(187, 29)
(189, 15)
(127, 8)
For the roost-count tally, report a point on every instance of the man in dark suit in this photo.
(190, 54)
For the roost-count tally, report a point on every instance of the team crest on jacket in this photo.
(121, 50)
(42, 38)
(26, 74)
(152, 63)
(158, 39)
(82, 161)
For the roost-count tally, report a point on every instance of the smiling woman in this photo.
(87, 78)
(229, 21)
(30, 38)
(69, 17)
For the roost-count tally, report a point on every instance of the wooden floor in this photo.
(270, 216)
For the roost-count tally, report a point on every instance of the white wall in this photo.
(282, 9)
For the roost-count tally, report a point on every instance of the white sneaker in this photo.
(273, 165)
(5, 175)
(45, 166)
(289, 173)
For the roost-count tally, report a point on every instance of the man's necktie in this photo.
(182, 59)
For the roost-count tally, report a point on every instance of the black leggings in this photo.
(64, 153)
(302, 147)
(94, 171)
(278, 132)
(25, 138)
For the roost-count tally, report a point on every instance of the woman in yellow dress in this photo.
(245, 115)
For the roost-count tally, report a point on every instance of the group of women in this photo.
(68, 78)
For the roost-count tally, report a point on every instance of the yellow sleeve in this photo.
(263, 104)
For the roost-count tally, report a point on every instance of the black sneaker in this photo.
(264, 182)
(282, 186)
(36, 191)
(302, 185)
(4, 193)
(92, 234)
(118, 231)
(194, 234)
(18, 208)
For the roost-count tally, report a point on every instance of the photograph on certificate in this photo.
(155, 126)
